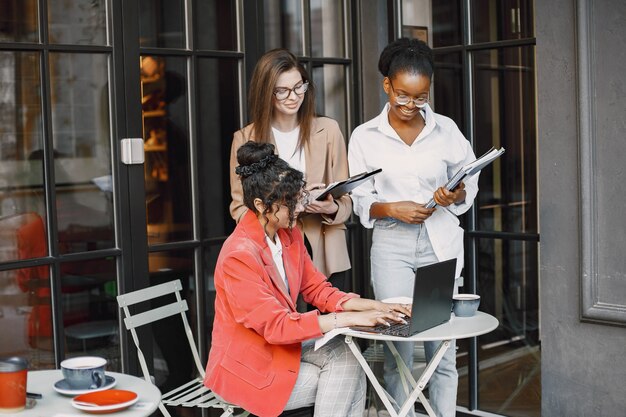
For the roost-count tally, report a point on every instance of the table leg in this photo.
(419, 386)
(370, 375)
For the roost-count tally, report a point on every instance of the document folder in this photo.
(469, 170)
(339, 188)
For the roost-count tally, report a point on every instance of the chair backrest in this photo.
(133, 321)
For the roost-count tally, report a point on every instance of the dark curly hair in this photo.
(267, 177)
(406, 55)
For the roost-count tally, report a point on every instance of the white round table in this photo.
(53, 403)
(456, 328)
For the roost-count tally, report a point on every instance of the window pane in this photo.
(90, 311)
(327, 28)
(218, 103)
(162, 23)
(18, 21)
(209, 260)
(330, 94)
(215, 21)
(507, 284)
(21, 171)
(496, 20)
(448, 87)
(77, 22)
(504, 115)
(26, 319)
(447, 23)
(283, 25)
(166, 134)
(173, 362)
(82, 151)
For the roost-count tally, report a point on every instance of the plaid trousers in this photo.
(331, 379)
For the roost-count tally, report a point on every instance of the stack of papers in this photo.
(469, 170)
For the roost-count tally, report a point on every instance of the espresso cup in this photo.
(84, 372)
(12, 384)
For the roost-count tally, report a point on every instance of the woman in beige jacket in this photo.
(282, 110)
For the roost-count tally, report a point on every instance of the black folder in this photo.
(337, 189)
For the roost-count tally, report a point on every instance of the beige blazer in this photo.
(326, 161)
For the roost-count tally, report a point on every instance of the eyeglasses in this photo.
(403, 100)
(283, 93)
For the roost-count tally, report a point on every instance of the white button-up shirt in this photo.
(413, 173)
(277, 255)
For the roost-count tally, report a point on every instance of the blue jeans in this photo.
(397, 250)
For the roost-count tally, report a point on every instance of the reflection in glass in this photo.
(167, 155)
(218, 106)
(509, 357)
(447, 23)
(162, 23)
(19, 21)
(215, 21)
(448, 87)
(21, 173)
(331, 99)
(173, 363)
(283, 25)
(25, 312)
(90, 311)
(82, 151)
(77, 22)
(504, 115)
(327, 25)
(497, 20)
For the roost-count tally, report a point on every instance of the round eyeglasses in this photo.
(404, 100)
(283, 93)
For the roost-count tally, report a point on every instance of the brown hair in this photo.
(261, 95)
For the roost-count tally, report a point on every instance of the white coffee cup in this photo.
(84, 372)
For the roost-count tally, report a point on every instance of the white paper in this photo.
(328, 336)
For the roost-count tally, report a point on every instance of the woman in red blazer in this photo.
(262, 356)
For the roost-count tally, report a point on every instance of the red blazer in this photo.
(257, 332)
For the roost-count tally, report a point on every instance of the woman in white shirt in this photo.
(418, 151)
(282, 111)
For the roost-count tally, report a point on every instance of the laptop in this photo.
(432, 301)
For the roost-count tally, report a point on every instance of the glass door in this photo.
(61, 252)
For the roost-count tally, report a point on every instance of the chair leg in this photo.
(164, 410)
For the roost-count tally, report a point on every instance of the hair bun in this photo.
(253, 168)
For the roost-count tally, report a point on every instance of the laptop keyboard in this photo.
(396, 329)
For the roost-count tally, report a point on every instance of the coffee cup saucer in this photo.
(63, 387)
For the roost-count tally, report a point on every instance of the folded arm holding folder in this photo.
(469, 170)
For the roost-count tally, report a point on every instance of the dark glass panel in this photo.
(173, 362)
(509, 357)
(447, 23)
(218, 107)
(19, 21)
(77, 22)
(215, 21)
(331, 95)
(209, 260)
(21, 168)
(327, 28)
(26, 316)
(283, 25)
(167, 149)
(504, 115)
(162, 23)
(497, 20)
(448, 87)
(82, 151)
(90, 311)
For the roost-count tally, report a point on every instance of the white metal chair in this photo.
(193, 393)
